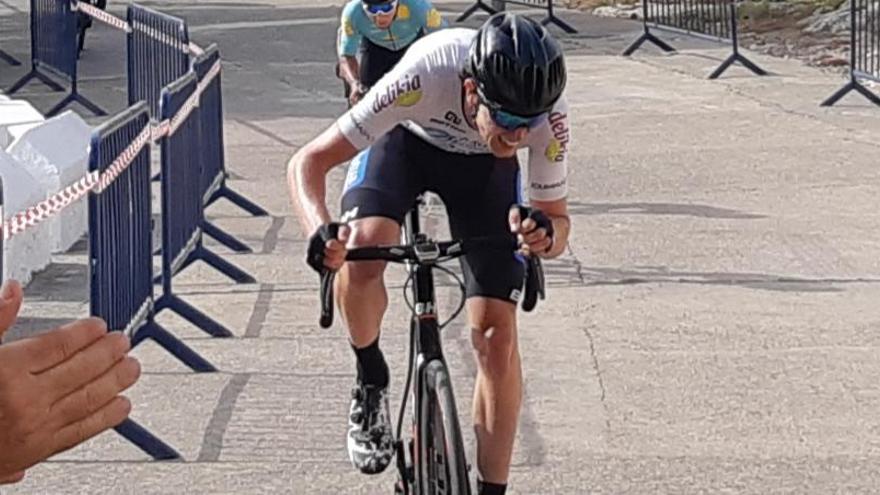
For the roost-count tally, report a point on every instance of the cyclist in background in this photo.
(381, 30)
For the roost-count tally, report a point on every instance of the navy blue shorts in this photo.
(477, 190)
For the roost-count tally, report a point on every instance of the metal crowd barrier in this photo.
(715, 20)
(158, 54)
(864, 51)
(120, 258)
(214, 164)
(544, 4)
(54, 52)
(182, 204)
(213, 178)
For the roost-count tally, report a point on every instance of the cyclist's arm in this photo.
(307, 174)
(347, 45)
(356, 129)
(349, 69)
(549, 147)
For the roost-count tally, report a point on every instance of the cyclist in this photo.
(466, 101)
(382, 30)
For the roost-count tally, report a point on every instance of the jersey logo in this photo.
(451, 117)
(402, 12)
(348, 27)
(558, 147)
(434, 19)
(405, 92)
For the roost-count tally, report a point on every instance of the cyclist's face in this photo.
(382, 14)
(502, 141)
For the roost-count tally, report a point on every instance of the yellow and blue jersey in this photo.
(413, 18)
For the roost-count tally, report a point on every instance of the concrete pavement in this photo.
(712, 328)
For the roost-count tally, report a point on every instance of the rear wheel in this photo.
(442, 468)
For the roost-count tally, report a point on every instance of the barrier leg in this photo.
(75, 97)
(736, 56)
(238, 200)
(647, 36)
(723, 67)
(225, 238)
(840, 93)
(146, 441)
(34, 74)
(193, 315)
(551, 17)
(9, 59)
(479, 5)
(223, 266)
(873, 98)
(173, 345)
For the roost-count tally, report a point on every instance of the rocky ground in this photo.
(816, 32)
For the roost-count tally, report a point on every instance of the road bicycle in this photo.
(432, 461)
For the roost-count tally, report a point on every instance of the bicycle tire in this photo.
(442, 466)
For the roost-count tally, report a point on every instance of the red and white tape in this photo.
(93, 181)
(122, 25)
(23, 220)
(170, 126)
(102, 16)
(124, 159)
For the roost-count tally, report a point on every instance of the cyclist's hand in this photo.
(357, 92)
(325, 251)
(536, 230)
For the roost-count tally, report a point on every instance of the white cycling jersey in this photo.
(423, 92)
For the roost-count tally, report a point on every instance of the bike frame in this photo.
(425, 334)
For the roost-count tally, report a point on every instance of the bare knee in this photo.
(369, 232)
(493, 335)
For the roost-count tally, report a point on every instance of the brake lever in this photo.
(534, 283)
(327, 298)
(327, 277)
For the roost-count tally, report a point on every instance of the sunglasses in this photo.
(509, 121)
(381, 8)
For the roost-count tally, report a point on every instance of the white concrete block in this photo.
(28, 252)
(56, 153)
(15, 112)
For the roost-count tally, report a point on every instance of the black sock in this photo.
(371, 366)
(486, 488)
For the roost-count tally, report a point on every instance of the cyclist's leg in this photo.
(478, 199)
(380, 187)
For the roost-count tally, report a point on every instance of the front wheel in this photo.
(442, 468)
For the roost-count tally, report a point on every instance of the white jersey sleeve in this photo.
(549, 145)
(398, 97)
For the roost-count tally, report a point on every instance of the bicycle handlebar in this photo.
(428, 253)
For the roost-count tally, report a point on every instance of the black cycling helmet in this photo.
(518, 66)
(376, 2)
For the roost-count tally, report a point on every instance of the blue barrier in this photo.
(9, 59)
(212, 152)
(120, 257)
(212, 140)
(182, 206)
(158, 54)
(53, 52)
